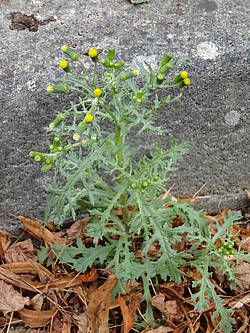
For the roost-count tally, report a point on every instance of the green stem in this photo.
(123, 198)
(94, 74)
(84, 68)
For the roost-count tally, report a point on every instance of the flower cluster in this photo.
(227, 248)
(182, 79)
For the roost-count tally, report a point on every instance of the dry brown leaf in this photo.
(99, 305)
(158, 301)
(35, 319)
(170, 309)
(239, 303)
(81, 322)
(242, 277)
(66, 327)
(246, 244)
(57, 324)
(160, 329)
(21, 251)
(28, 267)
(78, 229)
(38, 231)
(4, 240)
(128, 317)
(10, 299)
(37, 302)
(21, 282)
(248, 194)
(89, 277)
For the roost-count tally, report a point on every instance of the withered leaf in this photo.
(78, 229)
(246, 245)
(66, 327)
(170, 309)
(28, 267)
(10, 299)
(5, 240)
(99, 304)
(37, 302)
(82, 322)
(242, 277)
(20, 252)
(128, 317)
(37, 319)
(160, 329)
(38, 231)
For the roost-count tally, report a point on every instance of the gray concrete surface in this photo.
(213, 114)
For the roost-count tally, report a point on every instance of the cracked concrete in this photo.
(213, 114)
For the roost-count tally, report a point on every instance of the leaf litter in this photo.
(56, 299)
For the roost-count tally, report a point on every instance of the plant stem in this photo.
(94, 74)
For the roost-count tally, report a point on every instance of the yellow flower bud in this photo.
(63, 64)
(97, 92)
(50, 89)
(186, 81)
(52, 126)
(183, 74)
(76, 137)
(88, 118)
(65, 48)
(136, 72)
(93, 53)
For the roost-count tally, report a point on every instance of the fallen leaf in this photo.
(89, 277)
(99, 305)
(37, 302)
(28, 267)
(248, 194)
(239, 303)
(66, 327)
(128, 317)
(5, 240)
(21, 251)
(242, 277)
(246, 245)
(170, 309)
(78, 229)
(57, 324)
(160, 329)
(82, 322)
(15, 280)
(35, 319)
(38, 231)
(10, 299)
(158, 301)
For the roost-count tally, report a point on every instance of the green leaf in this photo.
(139, 2)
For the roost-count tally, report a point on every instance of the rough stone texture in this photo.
(212, 114)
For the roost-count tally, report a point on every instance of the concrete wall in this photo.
(213, 114)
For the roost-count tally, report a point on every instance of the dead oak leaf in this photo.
(170, 309)
(10, 299)
(78, 229)
(21, 252)
(242, 277)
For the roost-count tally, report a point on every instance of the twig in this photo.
(202, 187)
(11, 317)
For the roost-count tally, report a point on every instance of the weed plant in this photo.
(128, 214)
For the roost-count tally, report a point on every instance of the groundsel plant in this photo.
(95, 171)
